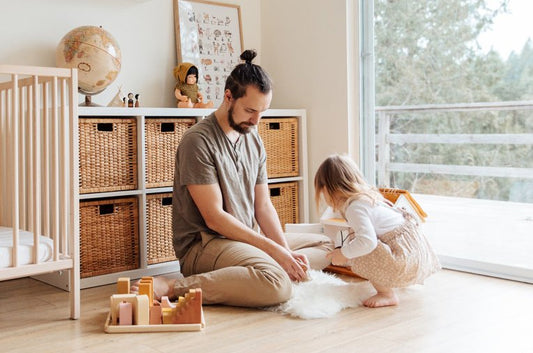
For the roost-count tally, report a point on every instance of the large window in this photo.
(452, 113)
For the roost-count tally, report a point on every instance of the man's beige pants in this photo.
(235, 273)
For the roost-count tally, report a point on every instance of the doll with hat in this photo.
(186, 91)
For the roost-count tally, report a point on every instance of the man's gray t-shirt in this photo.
(206, 156)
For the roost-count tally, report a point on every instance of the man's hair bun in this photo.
(248, 55)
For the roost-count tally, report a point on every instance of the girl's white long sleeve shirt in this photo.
(367, 222)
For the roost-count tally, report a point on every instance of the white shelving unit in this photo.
(141, 192)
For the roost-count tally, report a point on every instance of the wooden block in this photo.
(115, 300)
(146, 288)
(167, 315)
(123, 285)
(125, 313)
(189, 308)
(156, 315)
(141, 310)
(166, 303)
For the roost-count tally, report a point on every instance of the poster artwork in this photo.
(210, 39)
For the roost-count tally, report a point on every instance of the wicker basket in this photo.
(109, 240)
(280, 137)
(162, 138)
(284, 196)
(392, 195)
(159, 228)
(108, 154)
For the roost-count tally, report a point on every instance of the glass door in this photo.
(448, 115)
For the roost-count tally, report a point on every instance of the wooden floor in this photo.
(453, 312)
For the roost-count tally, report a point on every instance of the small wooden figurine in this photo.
(130, 100)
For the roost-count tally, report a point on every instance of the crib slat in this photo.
(3, 152)
(45, 160)
(29, 158)
(63, 134)
(15, 182)
(22, 166)
(36, 169)
(55, 170)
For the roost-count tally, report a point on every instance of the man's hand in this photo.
(301, 259)
(293, 263)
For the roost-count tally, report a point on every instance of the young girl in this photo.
(385, 245)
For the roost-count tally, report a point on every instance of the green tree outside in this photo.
(427, 53)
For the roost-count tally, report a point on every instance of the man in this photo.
(220, 193)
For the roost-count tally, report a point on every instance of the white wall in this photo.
(31, 29)
(308, 48)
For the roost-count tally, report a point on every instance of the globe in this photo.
(95, 53)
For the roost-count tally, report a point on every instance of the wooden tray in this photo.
(341, 270)
(152, 328)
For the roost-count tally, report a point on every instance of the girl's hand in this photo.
(337, 258)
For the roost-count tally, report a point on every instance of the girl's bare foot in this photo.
(162, 287)
(382, 299)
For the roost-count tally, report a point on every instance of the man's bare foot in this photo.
(382, 299)
(162, 287)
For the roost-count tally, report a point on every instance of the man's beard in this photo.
(242, 128)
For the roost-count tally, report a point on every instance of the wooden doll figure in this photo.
(130, 100)
(186, 91)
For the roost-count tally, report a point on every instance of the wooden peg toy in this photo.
(123, 285)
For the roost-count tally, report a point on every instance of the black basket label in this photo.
(167, 127)
(104, 127)
(106, 209)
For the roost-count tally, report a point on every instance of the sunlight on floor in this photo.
(481, 230)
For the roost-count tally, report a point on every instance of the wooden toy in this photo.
(115, 300)
(117, 100)
(147, 288)
(141, 310)
(156, 314)
(189, 308)
(123, 285)
(166, 314)
(125, 313)
(131, 312)
(165, 302)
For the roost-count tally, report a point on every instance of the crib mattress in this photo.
(25, 247)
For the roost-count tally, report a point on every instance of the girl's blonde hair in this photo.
(339, 177)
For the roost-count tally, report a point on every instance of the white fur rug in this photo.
(322, 296)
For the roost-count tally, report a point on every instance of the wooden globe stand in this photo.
(88, 102)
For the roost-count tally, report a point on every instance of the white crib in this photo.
(38, 174)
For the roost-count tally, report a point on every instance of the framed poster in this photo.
(209, 35)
